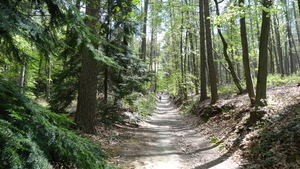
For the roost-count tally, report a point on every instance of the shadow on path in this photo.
(166, 141)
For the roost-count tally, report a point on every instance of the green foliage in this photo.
(110, 113)
(278, 80)
(143, 104)
(33, 137)
(168, 82)
(228, 90)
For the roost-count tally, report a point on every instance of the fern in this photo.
(33, 137)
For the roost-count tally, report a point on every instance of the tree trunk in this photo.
(105, 84)
(290, 41)
(211, 67)
(40, 80)
(246, 62)
(225, 47)
(86, 106)
(195, 71)
(48, 74)
(144, 38)
(261, 87)
(203, 93)
(279, 48)
(23, 73)
(182, 86)
(152, 48)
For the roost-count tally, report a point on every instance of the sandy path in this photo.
(165, 141)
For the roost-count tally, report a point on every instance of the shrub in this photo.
(33, 137)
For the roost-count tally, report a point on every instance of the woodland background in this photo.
(104, 56)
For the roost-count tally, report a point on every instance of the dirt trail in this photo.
(166, 141)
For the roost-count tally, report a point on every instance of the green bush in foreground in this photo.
(33, 137)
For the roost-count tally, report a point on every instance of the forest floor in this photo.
(165, 140)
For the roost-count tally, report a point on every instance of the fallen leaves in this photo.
(273, 142)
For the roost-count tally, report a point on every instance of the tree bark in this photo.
(278, 47)
(86, 106)
(39, 81)
(246, 62)
(23, 73)
(144, 39)
(211, 67)
(203, 93)
(194, 64)
(291, 45)
(261, 87)
(48, 74)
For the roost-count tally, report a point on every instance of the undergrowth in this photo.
(278, 80)
(33, 137)
(143, 104)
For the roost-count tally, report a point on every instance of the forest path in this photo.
(166, 141)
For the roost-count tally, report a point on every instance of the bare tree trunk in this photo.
(23, 73)
(39, 81)
(290, 38)
(48, 80)
(86, 106)
(261, 88)
(246, 62)
(279, 48)
(144, 38)
(195, 71)
(152, 49)
(211, 67)
(203, 92)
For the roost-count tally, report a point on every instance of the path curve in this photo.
(166, 141)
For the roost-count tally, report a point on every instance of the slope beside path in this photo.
(165, 141)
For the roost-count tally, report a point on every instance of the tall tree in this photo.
(144, 38)
(246, 62)
(278, 46)
(261, 87)
(203, 93)
(211, 67)
(86, 106)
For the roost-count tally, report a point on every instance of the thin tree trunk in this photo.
(194, 64)
(144, 38)
(39, 81)
(225, 47)
(279, 48)
(291, 55)
(211, 67)
(261, 88)
(246, 62)
(151, 49)
(23, 73)
(48, 80)
(203, 93)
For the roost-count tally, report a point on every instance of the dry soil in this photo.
(166, 141)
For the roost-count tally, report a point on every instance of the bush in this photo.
(278, 80)
(143, 104)
(33, 137)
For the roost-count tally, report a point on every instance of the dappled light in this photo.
(150, 84)
(163, 141)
